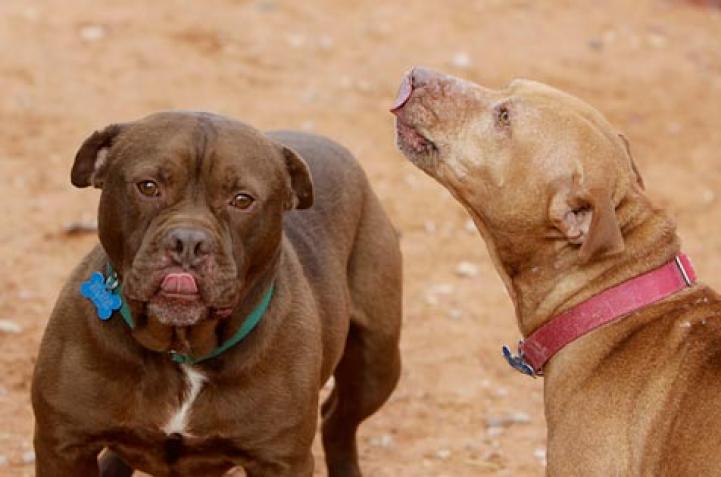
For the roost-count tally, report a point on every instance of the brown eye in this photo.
(242, 201)
(503, 117)
(148, 188)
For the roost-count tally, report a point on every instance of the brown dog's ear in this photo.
(639, 179)
(587, 218)
(91, 158)
(300, 179)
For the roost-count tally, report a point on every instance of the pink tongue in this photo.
(181, 283)
(404, 92)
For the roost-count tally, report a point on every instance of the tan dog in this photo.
(555, 194)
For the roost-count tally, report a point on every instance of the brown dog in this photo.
(555, 194)
(194, 219)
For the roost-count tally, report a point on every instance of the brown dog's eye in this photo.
(503, 116)
(149, 188)
(242, 201)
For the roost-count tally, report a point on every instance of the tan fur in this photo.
(560, 203)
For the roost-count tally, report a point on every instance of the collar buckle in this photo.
(682, 269)
(518, 361)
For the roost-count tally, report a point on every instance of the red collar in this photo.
(607, 306)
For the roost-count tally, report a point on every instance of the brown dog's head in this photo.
(191, 209)
(540, 171)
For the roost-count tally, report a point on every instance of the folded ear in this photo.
(300, 179)
(91, 159)
(639, 179)
(587, 218)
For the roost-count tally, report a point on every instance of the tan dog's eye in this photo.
(503, 116)
(149, 188)
(242, 201)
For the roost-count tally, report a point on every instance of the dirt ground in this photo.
(332, 66)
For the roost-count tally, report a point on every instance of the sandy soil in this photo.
(332, 66)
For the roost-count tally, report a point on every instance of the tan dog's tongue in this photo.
(179, 283)
(404, 92)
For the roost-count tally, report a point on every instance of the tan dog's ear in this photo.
(300, 179)
(639, 179)
(587, 218)
(91, 158)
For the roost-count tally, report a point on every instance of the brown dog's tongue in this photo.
(404, 92)
(179, 283)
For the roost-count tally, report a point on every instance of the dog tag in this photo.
(101, 295)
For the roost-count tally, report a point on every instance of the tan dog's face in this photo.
(539, 170)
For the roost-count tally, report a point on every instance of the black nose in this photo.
(186, 245)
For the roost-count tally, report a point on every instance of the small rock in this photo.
(461, 60)
(493, 432)
(80, 227)
(326, 42)
(455, 314)
(470, 227)
(708, 196)
(7, 326)
(430, 227)
(3, 461)
(443, 454)
(501, 392)
(540, 454)
(657, 40)
(508, 420)
(92, 32)
(466, 269)
(595, 44)
(385, 441)
(296, 40)
(28, 457)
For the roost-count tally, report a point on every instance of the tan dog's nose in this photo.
(416, 77)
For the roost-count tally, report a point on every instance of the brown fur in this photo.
(336, 310)
(555, 194)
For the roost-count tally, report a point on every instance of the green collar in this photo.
(251, 321)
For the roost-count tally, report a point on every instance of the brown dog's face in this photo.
(191, 209)
(538, 169)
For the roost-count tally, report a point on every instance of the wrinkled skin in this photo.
(200, 215)
(554, 191)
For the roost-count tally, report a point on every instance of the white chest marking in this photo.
(179, 420)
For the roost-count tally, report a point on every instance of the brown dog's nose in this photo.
(416, 77)
(187, 245)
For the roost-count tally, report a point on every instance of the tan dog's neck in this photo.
(557, 281)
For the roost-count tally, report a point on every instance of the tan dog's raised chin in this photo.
(555, 193)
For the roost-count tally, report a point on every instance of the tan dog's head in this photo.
(541, 172)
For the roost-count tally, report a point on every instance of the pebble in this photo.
(92, 32)
(385, 441)
(28, 457)
(79, 227)
(540, 454)
(470, 227)
(430, 227)
(517, 417)
(296, 41)
(7, 326)
(461, 60)
(443, 454)
(326, 42)
(4, 461)
(466, 269)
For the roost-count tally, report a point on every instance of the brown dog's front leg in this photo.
(50, 462)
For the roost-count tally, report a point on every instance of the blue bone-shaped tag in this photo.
(102, 296)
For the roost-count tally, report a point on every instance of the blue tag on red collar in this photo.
(100, 292)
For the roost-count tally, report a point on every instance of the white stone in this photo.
(7, 326)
